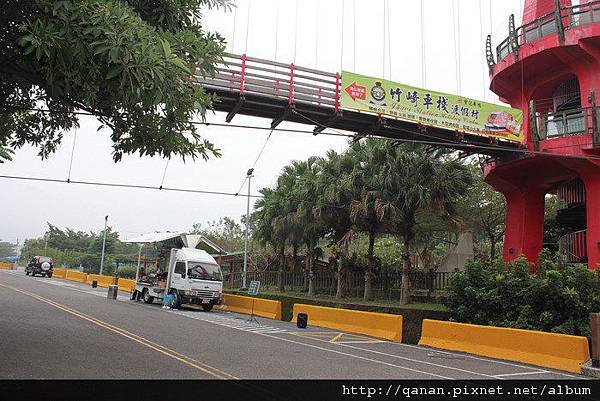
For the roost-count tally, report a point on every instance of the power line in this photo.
(117, 185)
(256, 161)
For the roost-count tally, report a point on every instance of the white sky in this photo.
(27, 206)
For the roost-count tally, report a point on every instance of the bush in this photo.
(558, 298)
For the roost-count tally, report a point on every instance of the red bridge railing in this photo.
(254, 76)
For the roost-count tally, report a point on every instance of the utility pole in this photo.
(103, 244)
(244, 279)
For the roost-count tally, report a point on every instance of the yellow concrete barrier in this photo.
(126, 284)
(75, 275)
(103, 281)
(59, 273)
(6, 266)
(380, 325)
(558, 351)
(262, 307)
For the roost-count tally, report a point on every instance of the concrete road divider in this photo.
(59, 273)
(558, 351)
(126, 284)
(75, 275)
(102, 280)
(6, 266)
(262, 307)
(380, 325)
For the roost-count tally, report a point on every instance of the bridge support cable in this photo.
(423, 54)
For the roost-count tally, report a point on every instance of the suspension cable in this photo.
(423, 56)
(233, 33)
(383, 41)
(342, 40)
(247, 27)
(482, 55)
(354, 35)
(72, 154)
(389, 41)
(296, 30)
(164, 174)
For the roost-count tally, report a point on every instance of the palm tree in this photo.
(420, 182)
(334, 208)
(307, 218)
(365, 185)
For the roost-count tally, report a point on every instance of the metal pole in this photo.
(103, 244)
(244, 286)
(137, 271)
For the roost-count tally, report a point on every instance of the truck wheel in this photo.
(207, 307)
(148, 299)
(49, 275)
(26, 272)
(176, 300)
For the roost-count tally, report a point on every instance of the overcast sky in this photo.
(315, 42)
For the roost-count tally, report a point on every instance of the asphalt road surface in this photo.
(51, 328)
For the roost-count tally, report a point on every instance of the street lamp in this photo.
(249, 176)
(103, 244)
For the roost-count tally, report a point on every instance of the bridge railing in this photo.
(553, 22)
(264, 78)
(576, 121)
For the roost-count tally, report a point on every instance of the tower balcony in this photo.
(555, 22)
(571, 122)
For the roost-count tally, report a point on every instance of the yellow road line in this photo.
(134, 337)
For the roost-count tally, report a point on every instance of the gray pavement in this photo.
(52, 328)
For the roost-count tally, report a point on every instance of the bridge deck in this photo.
(282, 92)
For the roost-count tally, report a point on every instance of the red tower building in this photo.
(550, 68)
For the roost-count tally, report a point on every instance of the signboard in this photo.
(253, 288)
(437, 109)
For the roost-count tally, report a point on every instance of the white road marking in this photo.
(488, 360)
(524, 373)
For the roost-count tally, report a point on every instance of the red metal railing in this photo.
(574, 246)
(572, 16)
(254, 76)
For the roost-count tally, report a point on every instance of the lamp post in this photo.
(244, 278)
(103, 244)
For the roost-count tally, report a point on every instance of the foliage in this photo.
(74, 248)
(370, 190)
(127, 62)
(557, 299)
(227, 233)
(484, 210)
(7, 249)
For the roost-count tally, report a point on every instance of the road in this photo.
(51, 328)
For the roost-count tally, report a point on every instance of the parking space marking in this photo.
(231, 322)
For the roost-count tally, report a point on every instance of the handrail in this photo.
(570, 122)
(573, 246)
(265, 78)
(574, 15)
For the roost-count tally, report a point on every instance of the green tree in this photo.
(225, 232)
(416, 183)
(484, 210)
(7, 249)
(127, 62)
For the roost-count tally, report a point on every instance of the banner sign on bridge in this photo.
(404, 102)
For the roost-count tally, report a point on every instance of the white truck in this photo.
(192, 276)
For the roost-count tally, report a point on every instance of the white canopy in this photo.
(189, 240)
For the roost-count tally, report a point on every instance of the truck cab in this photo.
(191, 276)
